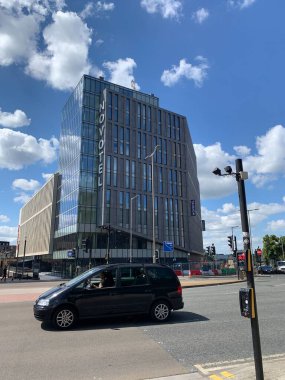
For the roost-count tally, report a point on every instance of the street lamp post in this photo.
(153, 216)
(131, 228)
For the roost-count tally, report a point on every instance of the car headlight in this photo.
(43, 302)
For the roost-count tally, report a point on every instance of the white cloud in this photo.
(87, 11)
(200, 15)
(242, 150)
(196, 73)
(276, 225)
(46, 176)
(104, 6)
(18, 150)
(167, 8)
(65, 59)
(14, 120)
(208, 158)
(99, 42)
(18, 33)
(264, 168)
(22, 198)
(4, 218)
(121, 71)
(9, 234)
(241, 4)
(26, 185)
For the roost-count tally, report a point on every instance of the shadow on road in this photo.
(117, 323)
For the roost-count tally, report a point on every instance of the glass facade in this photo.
(107, 131)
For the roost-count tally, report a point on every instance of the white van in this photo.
(280, 267)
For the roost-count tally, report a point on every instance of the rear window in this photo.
(161, 276)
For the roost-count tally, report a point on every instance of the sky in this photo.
(219, 63)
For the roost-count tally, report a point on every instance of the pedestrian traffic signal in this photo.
(230, 241)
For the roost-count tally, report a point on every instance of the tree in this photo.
(272, 248)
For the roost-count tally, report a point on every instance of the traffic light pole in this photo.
(249, 271)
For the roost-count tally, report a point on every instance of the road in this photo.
(209, 329)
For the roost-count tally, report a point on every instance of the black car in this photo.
(265, 269)
(112, 290)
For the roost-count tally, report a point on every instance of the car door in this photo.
(92, 300)
(134, 293)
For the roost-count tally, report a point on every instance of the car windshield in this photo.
(280, 263)
(83, 276)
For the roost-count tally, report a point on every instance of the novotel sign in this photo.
(101, 144)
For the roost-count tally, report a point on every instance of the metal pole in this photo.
(131, 228)
(25, 243)
(153, 216)
(249, 271)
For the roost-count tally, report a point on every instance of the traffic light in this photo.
(208, 250)
(213, 250)
(230, 242)
(83, 244)
(157, 255)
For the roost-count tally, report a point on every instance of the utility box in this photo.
(246, 301)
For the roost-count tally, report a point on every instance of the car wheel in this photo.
(64, 318)
(160, 311)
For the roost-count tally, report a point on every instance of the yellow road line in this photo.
(228, 375)
(215, 377)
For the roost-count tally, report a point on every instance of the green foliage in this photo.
(272, 248)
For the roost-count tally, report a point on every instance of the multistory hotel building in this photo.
(105, 192)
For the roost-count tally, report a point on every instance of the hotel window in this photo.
(115, 139)
(144, 177)
(144, 117)
(159, 152)
(154, 141)
(149, 178)
(179, 185)
(139, 115)
(144, 145)
(160, 180)
(133, 174)
(127, 177)
(115, 97)
(170, 182)
(121, 207)
(159, 122)
(181, 229)
(164, 151)
(144, 213)
(156, 215)
(169, 125)
(139, 142)
(127, 138)
(174, 178)
(173, 127)
(115, 171)
(139, 219)
(178, 128)
(174, 155)
(178, 155)
(127, 208)
(109, 106)
(121, 140)
(149, 119)
(127, 113)
(108, 176)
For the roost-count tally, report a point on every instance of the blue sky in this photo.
(220, 63)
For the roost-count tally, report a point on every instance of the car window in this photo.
(103, 279)
(161, 276)
(131, 276)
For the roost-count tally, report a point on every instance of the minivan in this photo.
(112, 290)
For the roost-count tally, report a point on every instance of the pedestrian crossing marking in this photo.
(228, 375)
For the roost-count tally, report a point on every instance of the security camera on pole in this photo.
(247, 296)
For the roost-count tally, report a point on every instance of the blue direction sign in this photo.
(70, 253)
(168, 246)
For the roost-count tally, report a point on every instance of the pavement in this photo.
(243, 369)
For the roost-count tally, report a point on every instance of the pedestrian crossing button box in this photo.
(245, 300)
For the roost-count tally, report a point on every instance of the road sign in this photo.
(168, 246)
(71, 253)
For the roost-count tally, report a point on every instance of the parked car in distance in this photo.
(112, 290)
(280, 267)
(265, 269)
